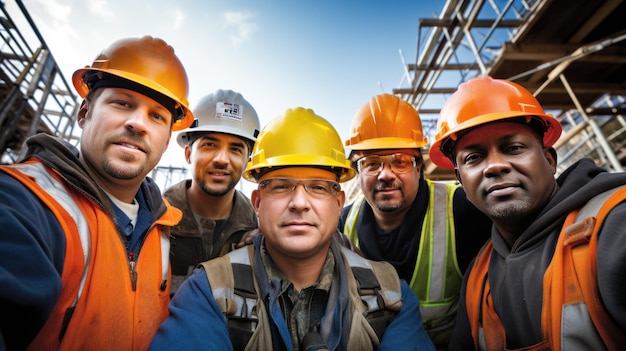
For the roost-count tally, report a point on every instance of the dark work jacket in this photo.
(190, 245)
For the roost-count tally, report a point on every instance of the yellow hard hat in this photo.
(386, 122)
(298, 138)
(145, 62)
(482, 100)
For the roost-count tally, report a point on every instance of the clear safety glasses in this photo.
(399, 163)
(283, 186)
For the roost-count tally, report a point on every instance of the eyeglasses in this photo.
(398, 163)
(283, 186)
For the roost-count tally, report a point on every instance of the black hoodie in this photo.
(516, 273)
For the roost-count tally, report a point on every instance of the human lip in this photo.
(218, 173)
(297, 224)
(387, 189)
(130, 145)
(502, 189)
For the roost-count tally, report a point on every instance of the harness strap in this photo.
(232, 284)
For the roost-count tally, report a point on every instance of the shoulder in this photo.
(176, 192)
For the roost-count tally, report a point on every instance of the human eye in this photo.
(279, 186)
(321, 187)
(121, 103)
(370, 163)
(472, 158)
(237, 150)
(208, 143)
(401, 162)
(158, 116)
(514, 148)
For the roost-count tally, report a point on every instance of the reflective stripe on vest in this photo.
(435, 260)
(573, 314)
(55, 189)
(79, 309)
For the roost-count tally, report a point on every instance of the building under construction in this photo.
(570, 53)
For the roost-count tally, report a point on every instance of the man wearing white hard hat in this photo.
(215, 214)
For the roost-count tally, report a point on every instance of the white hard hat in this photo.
(224, 111)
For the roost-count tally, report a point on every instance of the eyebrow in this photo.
(212, 137)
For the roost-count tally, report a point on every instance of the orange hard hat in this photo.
(482, 100)
(386, 122)
(146, 62)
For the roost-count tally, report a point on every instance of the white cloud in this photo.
(101, 8)
(179, 18)
(242, 24)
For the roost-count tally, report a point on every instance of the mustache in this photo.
(385, 186)
(131, 138)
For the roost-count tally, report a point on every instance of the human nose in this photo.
(221, 155)
(299, 197)
(496, 163)
(385, 171)
(138, 120)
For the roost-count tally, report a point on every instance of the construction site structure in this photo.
(570, 53)
(34, 96)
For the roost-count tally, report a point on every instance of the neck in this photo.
(121, 189)
(389, 220)
(508, 236)
(210, 207)
(301, 272)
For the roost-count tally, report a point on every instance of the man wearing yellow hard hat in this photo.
(296, 287)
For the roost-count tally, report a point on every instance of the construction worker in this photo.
(84, 240)
(296, 287)
(215, 214)
(552, 275)
(427, 230)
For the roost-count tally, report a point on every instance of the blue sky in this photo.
(330, 56)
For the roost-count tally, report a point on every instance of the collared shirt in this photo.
(302, 309)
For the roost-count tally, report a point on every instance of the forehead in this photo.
(216, 137)
(223, 137)
(493, 132)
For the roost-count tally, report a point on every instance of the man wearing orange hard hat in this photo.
(427, 230)
(551, 277)
(85, 239)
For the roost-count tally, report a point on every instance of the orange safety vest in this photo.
(573, 315)
(107, 312)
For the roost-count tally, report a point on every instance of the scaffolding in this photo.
(570, 53)
(34, 96)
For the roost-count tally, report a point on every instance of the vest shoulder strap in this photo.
(579, 260)
(232, 284)
(570, 280)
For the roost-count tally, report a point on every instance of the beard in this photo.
(386, 203)
(122, 172)
(510, 212)
(207, 189)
